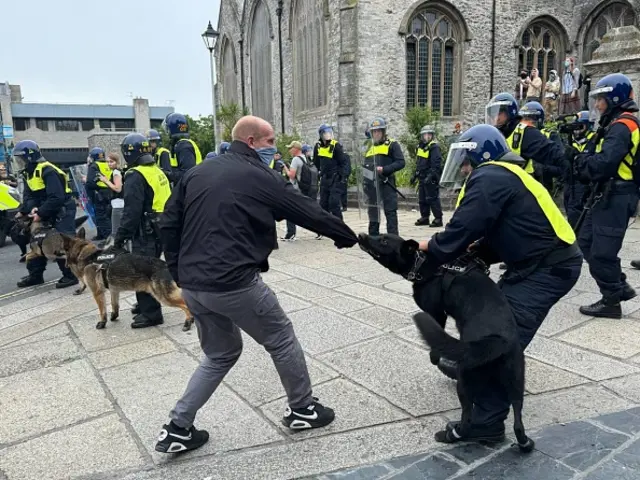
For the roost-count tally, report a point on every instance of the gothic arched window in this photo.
(616, 14)
(309, 55)
(261, 63)
(229, 74)
(541, 47)
(434, 52)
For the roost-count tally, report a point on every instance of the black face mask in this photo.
(523, 76)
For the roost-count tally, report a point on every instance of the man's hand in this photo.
(379, 169)
(19, 215)
(423, 245)
(35, 217)
(103, 179)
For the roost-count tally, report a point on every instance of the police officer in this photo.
(384, 157)
(184, 151)
(146, 191)
(46, 198)
(331, 162)
(614, 175)
(99, 192)
(161, 154)
(428, 164)
(523, 137)
(575, 192)
(223, 147)
(515, 221)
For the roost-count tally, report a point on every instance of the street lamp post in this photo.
(210, 36)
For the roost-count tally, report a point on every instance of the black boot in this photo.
(135, 310)
(66, 281)
(493, 433)
(627, 292)
(603, 308)
(422, 221)
(635, 264)
(502, 266)
(30, 281)
(142, 321)
(436, 223)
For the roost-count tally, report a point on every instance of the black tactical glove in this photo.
(344, 243)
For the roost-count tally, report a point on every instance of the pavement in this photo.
(78, 402)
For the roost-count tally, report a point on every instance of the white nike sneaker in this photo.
(315, 415)
(173, 439)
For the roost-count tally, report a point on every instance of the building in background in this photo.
(63, 130)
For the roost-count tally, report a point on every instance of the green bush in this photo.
(285, 139)
(227, 116)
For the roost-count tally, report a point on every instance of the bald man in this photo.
(218, 230)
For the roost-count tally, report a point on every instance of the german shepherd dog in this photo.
(126, 272)
(488, 349)
(44, 240)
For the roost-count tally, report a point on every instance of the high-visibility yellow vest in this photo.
(158, 182)
(105, 171)
(158, 154)
(559, 224)
(36, 182)
(624, 169)
(380, 149)
(514, 141)
(424, 152)
(174, 159)
(581, 146)
(328, 150)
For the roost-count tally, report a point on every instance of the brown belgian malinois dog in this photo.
(44, 240)
(120, 272)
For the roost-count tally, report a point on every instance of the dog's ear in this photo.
(81, 233)
(409, 247)
(67, 241)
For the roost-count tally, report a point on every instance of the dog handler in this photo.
(218, 231)
(47, 198)
(519, 224)
(146, 191)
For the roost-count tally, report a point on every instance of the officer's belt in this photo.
(555, 256)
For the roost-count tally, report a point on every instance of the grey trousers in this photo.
(219, 318)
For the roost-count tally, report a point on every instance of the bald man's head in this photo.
(254, 131)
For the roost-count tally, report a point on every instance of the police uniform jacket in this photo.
(391, 162)
(607, 162)
(163, 160)
(138, 199)
(429, 166)
(186, 157)
(497, 205)
(535, 146)
(49, 200)
(219, 225)
(337, 163)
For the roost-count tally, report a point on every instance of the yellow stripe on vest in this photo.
(158, 182)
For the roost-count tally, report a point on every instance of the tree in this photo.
(200, 131)
(227, 116)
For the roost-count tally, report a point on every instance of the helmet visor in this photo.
(492, 113)
(600, 91)
(453, 175)
(18, 163)
(327, 134)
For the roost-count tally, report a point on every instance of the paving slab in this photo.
(183, 338)
(304, 289)
(291, 304)
(587, 298)
(273, 276)
(562, 316)
(115, 334)
(313, 275)
(316, 259)
(255, 378)
(147, 390)
(131, 352)
(46, 353)
(355, 407)
(540, 377)
(397, 371)
(27, 329)
(400, 286)
(627, 421)
(43, 297)
(383, 318)
(353, 265)
(433, 467)
(628, 387)
(342, 304)
(321, 330)
(48, 398)
(381, 297)
(377, 278)
(90, 448)
(56, 331)
(597, 334)
(587, 364)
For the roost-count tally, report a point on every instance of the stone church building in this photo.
(300, 63)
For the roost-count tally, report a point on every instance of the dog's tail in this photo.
(438, 340)
(80, 220)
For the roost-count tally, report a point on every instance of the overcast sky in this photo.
(71, 51)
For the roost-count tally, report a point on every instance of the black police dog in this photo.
(489, 349)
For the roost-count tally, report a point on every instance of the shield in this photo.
(369, 198)
(79, 177)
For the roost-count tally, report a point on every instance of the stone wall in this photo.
(109, 141)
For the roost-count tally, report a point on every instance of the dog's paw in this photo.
(78, 291)
(527, 447)
(101, 325)
(187, 325)
(114, 316)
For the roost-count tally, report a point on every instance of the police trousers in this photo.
(386, 196)
(530, 301)
(429, 199)
(150, 247)
(330, 195)
(574, 198)
(102, 209)
(220, 316)
(65, 224)
(602, 235)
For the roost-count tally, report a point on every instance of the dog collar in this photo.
(414, 273)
